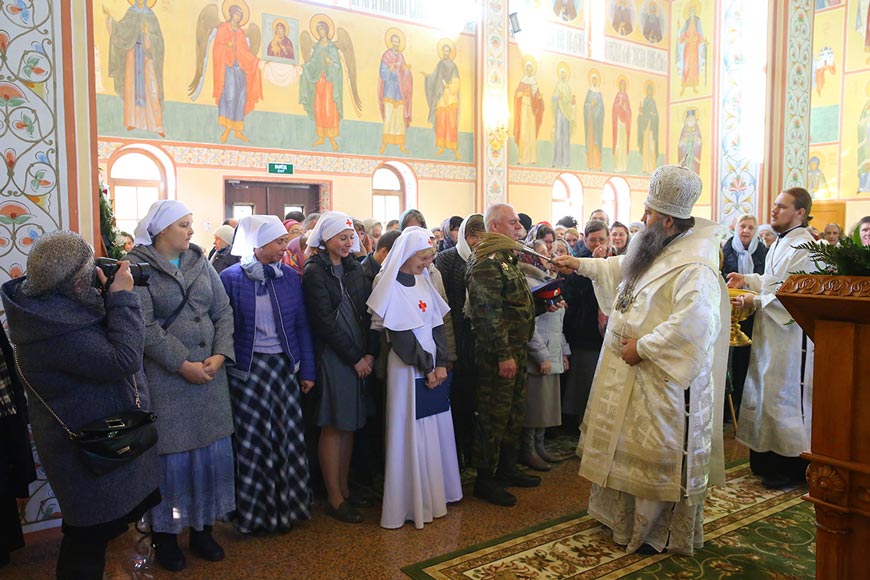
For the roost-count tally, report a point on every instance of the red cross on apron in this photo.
(422, 306)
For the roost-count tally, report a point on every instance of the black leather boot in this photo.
(204, 545)
(487, 488)
(167, 553)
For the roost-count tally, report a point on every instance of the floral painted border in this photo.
(183, 154)
(494, 65)
(798, 82)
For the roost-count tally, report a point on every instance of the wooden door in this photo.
(264, 198)
(828, 212)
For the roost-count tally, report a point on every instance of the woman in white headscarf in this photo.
(451, 264)
(336, 289)
(422, 473)
(274, 366)
(189, 326)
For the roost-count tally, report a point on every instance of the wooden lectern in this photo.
(834, 311)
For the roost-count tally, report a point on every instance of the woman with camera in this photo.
(189, 337)
(81, 356)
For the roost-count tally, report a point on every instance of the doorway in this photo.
(243, 198)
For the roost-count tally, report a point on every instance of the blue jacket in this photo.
(289, 309)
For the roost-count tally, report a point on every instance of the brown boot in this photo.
(529, 456)
(541, 449)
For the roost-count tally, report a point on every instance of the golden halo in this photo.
(646, 87)
(278, 21)
(691, 110)
(563, 66)
(530, 60)
(246, 12)
(394, 31)
(621, 78)
(149, 3)
(317, 19)
(593, 73)
(449, 43)
(692, 4)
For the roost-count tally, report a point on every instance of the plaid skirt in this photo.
(272, 486)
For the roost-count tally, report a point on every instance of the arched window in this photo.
(616, 200)
(394, 188)
(567, 197)
(139, 175)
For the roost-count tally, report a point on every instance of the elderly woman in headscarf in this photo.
(335, 290)
(189, 327)
(451, 264)
(83, 355)
(449, 233)
(422, 474)
(274, 365)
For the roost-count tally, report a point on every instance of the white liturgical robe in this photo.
(634, 438)
(776, 414)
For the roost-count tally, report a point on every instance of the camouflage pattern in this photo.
(502, 314)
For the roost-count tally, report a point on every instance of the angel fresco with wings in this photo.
(238, 83)
(321, 86)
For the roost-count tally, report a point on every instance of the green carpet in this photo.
(750, 533)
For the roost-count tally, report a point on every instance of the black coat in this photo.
(453, 270)
(581, 317)
(729, 264)
(322, 291)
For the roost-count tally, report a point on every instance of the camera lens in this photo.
(141, 272)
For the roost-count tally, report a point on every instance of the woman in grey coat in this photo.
(189, 326)
(83, 356)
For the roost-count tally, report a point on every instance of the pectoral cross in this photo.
(422, 306)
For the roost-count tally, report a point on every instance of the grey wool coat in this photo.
(190, 416)
(80, 359)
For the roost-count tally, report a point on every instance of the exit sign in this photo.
(281, 168)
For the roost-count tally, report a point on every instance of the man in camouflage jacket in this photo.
(502, 313)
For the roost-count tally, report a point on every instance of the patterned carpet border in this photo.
(578, 547)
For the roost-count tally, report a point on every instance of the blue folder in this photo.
(432, 401)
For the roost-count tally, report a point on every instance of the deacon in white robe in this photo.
(422, 470)
(776, 411)
(651, 440)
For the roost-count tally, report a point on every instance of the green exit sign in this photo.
(281, 168)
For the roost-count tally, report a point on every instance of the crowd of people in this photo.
(315, 354)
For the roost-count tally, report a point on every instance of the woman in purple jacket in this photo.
(274, 361)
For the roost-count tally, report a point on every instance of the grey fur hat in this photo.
(56, 262)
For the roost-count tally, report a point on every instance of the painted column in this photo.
(742, 80)
(492, 117)
(796, 139)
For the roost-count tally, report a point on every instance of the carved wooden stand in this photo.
(834, 311)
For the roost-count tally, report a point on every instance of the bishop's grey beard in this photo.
(645, 247)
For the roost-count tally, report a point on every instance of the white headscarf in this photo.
(330, 224)
(461, 243)
(160, 216)
(384, 301)
(255, 231)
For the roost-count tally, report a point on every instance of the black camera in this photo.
(141, 271)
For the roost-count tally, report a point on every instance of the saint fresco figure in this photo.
(689, 146)
(862, 23)
(442, 94)
(622, 16)
(321, 86)
(564, 116)
(136, 52)
(280, 46)
(652, 22)
(566, 10)
(621, 126)
(238, 82)
(864, 145)
(593, 121)
(528, 113)
(691, 49)
(395, 89)
(648, 130)
(817, 185)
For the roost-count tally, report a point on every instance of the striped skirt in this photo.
(272, 487)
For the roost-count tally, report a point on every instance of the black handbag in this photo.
(108, 443)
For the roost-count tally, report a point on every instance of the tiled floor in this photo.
(325, 549)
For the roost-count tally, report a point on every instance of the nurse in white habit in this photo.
(422, 472)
